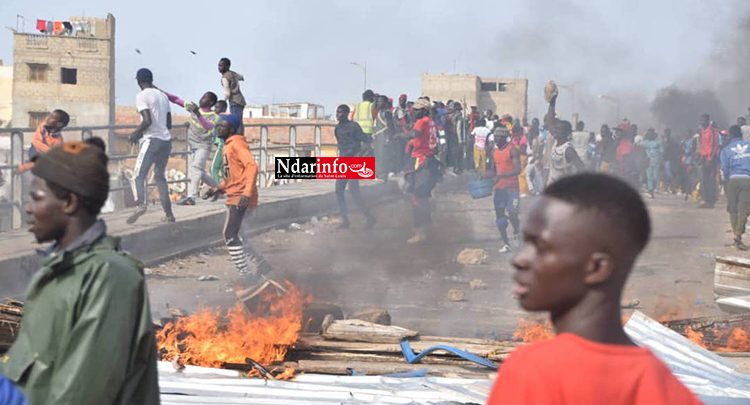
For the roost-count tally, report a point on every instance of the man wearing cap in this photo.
(240, 187)
(424, 172)
(155, 144)
(86, 335)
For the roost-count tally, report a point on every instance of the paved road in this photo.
(357, 268)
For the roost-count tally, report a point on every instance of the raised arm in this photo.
(174, 99)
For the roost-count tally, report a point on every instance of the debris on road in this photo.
(295, 226)
(178, 364)
(631, 304)
(375, 315)
(207, 277)
(176, 312)
(477, 284)
(472, 256)
(687, 281)
(456, 295)
(330, 221)
(10, 320)
(356, 330)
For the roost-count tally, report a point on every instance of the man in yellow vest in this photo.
(363, 113)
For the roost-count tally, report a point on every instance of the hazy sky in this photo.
(301, 50)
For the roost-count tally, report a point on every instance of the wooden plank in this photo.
(9, 324)
(313, 343)
(355, 330)
(378, 368)
(376, 357)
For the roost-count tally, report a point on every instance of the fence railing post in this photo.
(292, 141)
(86, 134)
(317, 141)
(264, 156)
(16, 186)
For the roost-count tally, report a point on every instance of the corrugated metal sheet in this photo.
(713, 378)
(199, 385)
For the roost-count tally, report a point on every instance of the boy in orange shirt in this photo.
(47, 135)
(581, 240)
(240, 187)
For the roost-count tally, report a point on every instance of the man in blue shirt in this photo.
(735, 170)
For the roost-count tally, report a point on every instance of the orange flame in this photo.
(737, 340)
(263, 333)
(531, 331)
(695, 336)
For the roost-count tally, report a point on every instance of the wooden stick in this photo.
(377, 368)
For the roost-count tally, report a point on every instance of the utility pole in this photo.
(364, 71)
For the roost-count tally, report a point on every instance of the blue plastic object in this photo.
(481, 188)
(412, 358)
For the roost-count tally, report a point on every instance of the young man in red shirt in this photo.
(425, 171)
(506, 162)
(708, 158)
(581, 239)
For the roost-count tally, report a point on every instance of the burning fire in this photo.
(263, 333)
(531, 331)
(736, 340)
(534, 331)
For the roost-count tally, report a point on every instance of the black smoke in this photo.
(680, 109)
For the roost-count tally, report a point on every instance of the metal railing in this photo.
(122, 157)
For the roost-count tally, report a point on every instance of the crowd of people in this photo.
(524, 157)
(567, 260)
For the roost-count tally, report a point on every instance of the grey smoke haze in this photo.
(680, 109)
(301, 50)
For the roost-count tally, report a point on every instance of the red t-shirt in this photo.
(570, 370)
(709, 142)
(504, 164)
(625, 147)
(424, 141)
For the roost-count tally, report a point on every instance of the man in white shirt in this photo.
(480, 134)
(155, 144)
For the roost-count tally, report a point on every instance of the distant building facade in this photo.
(73, 70)
(501, 95)
(303, 111)
(6, 94)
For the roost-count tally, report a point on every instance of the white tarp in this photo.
(713, 378)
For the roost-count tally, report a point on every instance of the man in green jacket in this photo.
(86, 336)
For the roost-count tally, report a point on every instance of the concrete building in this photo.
(501, 95)
(303, 111)
(6, 94)
(73, 70)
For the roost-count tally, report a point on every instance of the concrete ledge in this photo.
(197, 227)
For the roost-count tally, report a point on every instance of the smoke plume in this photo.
(680, 109)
